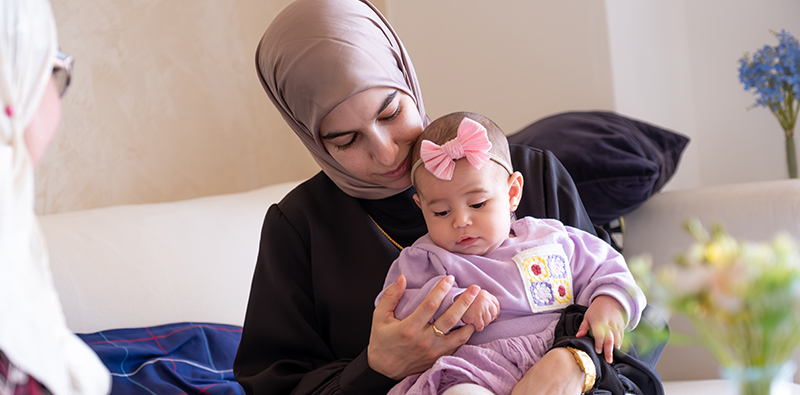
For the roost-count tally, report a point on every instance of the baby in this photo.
(528, 270)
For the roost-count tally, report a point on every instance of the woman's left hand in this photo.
(556, 373)
(398, 348)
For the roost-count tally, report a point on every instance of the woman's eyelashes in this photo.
(394, 113)
(350, 138)
(349, 143)
(341, 141)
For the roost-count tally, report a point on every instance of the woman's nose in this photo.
(385, 148)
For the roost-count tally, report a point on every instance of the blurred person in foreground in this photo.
(38, 353)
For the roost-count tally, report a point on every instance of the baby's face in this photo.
(469, 214)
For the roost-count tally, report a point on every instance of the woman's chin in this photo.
(398, 183)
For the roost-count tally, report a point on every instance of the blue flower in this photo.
(772, 73)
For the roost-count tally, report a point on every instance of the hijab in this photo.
(316, 54)
(33, 331)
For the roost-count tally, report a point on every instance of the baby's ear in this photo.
(416, 200)
(515, 183)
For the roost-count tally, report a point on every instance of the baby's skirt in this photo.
(497, 366)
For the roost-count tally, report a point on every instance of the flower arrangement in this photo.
(742, 298)
(773, 73)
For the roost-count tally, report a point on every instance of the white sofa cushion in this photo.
(152, 264)
(754, 211)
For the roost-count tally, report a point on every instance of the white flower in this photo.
(682, 281)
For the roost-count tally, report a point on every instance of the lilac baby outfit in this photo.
(534, 275)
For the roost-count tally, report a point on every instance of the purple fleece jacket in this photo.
(534, 275)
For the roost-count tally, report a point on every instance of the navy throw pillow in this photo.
(617, 162)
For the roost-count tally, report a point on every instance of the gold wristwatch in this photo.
(587, 365)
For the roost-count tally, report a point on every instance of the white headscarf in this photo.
(33, 332)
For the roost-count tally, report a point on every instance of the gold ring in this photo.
(437, 331)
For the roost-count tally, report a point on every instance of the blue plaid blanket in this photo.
(181, 358)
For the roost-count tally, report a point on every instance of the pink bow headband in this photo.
(471, 142)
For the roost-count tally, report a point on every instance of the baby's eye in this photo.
(478, 205)
(440, 213)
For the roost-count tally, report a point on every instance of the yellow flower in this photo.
(714, 254)
(722, 251)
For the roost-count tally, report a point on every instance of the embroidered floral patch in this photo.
(547, 277)
(537, 269)
(542, 293)
(562, 291)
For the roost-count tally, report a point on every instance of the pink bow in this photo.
(471, 142)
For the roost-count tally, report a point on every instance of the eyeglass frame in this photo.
(62, 71)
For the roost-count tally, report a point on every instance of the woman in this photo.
(38, 354)
(342, 80)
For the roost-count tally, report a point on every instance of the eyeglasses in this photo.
(62, 71)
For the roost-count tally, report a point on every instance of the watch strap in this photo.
(587, 365)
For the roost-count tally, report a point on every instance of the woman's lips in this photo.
(400, 171)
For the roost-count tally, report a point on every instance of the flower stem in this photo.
(791, 154)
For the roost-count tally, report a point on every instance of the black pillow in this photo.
(617, 163)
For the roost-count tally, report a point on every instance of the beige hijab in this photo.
(317, 53)
(33, 333)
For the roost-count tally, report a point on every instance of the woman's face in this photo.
(42, 128)
(371, 135)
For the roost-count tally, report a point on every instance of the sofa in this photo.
(141, 275)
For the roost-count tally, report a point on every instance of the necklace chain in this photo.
(399, 247)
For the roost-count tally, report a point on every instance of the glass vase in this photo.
(760, 380)
(791, 154)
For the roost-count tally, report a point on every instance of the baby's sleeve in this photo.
(423, 270)
(598, 269)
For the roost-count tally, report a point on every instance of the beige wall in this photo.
(164, 105)
(514, 61)
(652, 72)
(736, 144)
(676, 63)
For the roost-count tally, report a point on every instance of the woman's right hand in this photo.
(400, 348)
(555, 373)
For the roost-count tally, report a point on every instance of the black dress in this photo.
(322, 262)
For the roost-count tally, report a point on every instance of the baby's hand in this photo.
(482, 311)
(605, 317)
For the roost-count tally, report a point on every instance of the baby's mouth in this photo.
(466, 241)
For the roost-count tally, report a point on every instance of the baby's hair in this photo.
(445, 128)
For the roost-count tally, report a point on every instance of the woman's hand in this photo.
(556, 373)
(400, 348)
